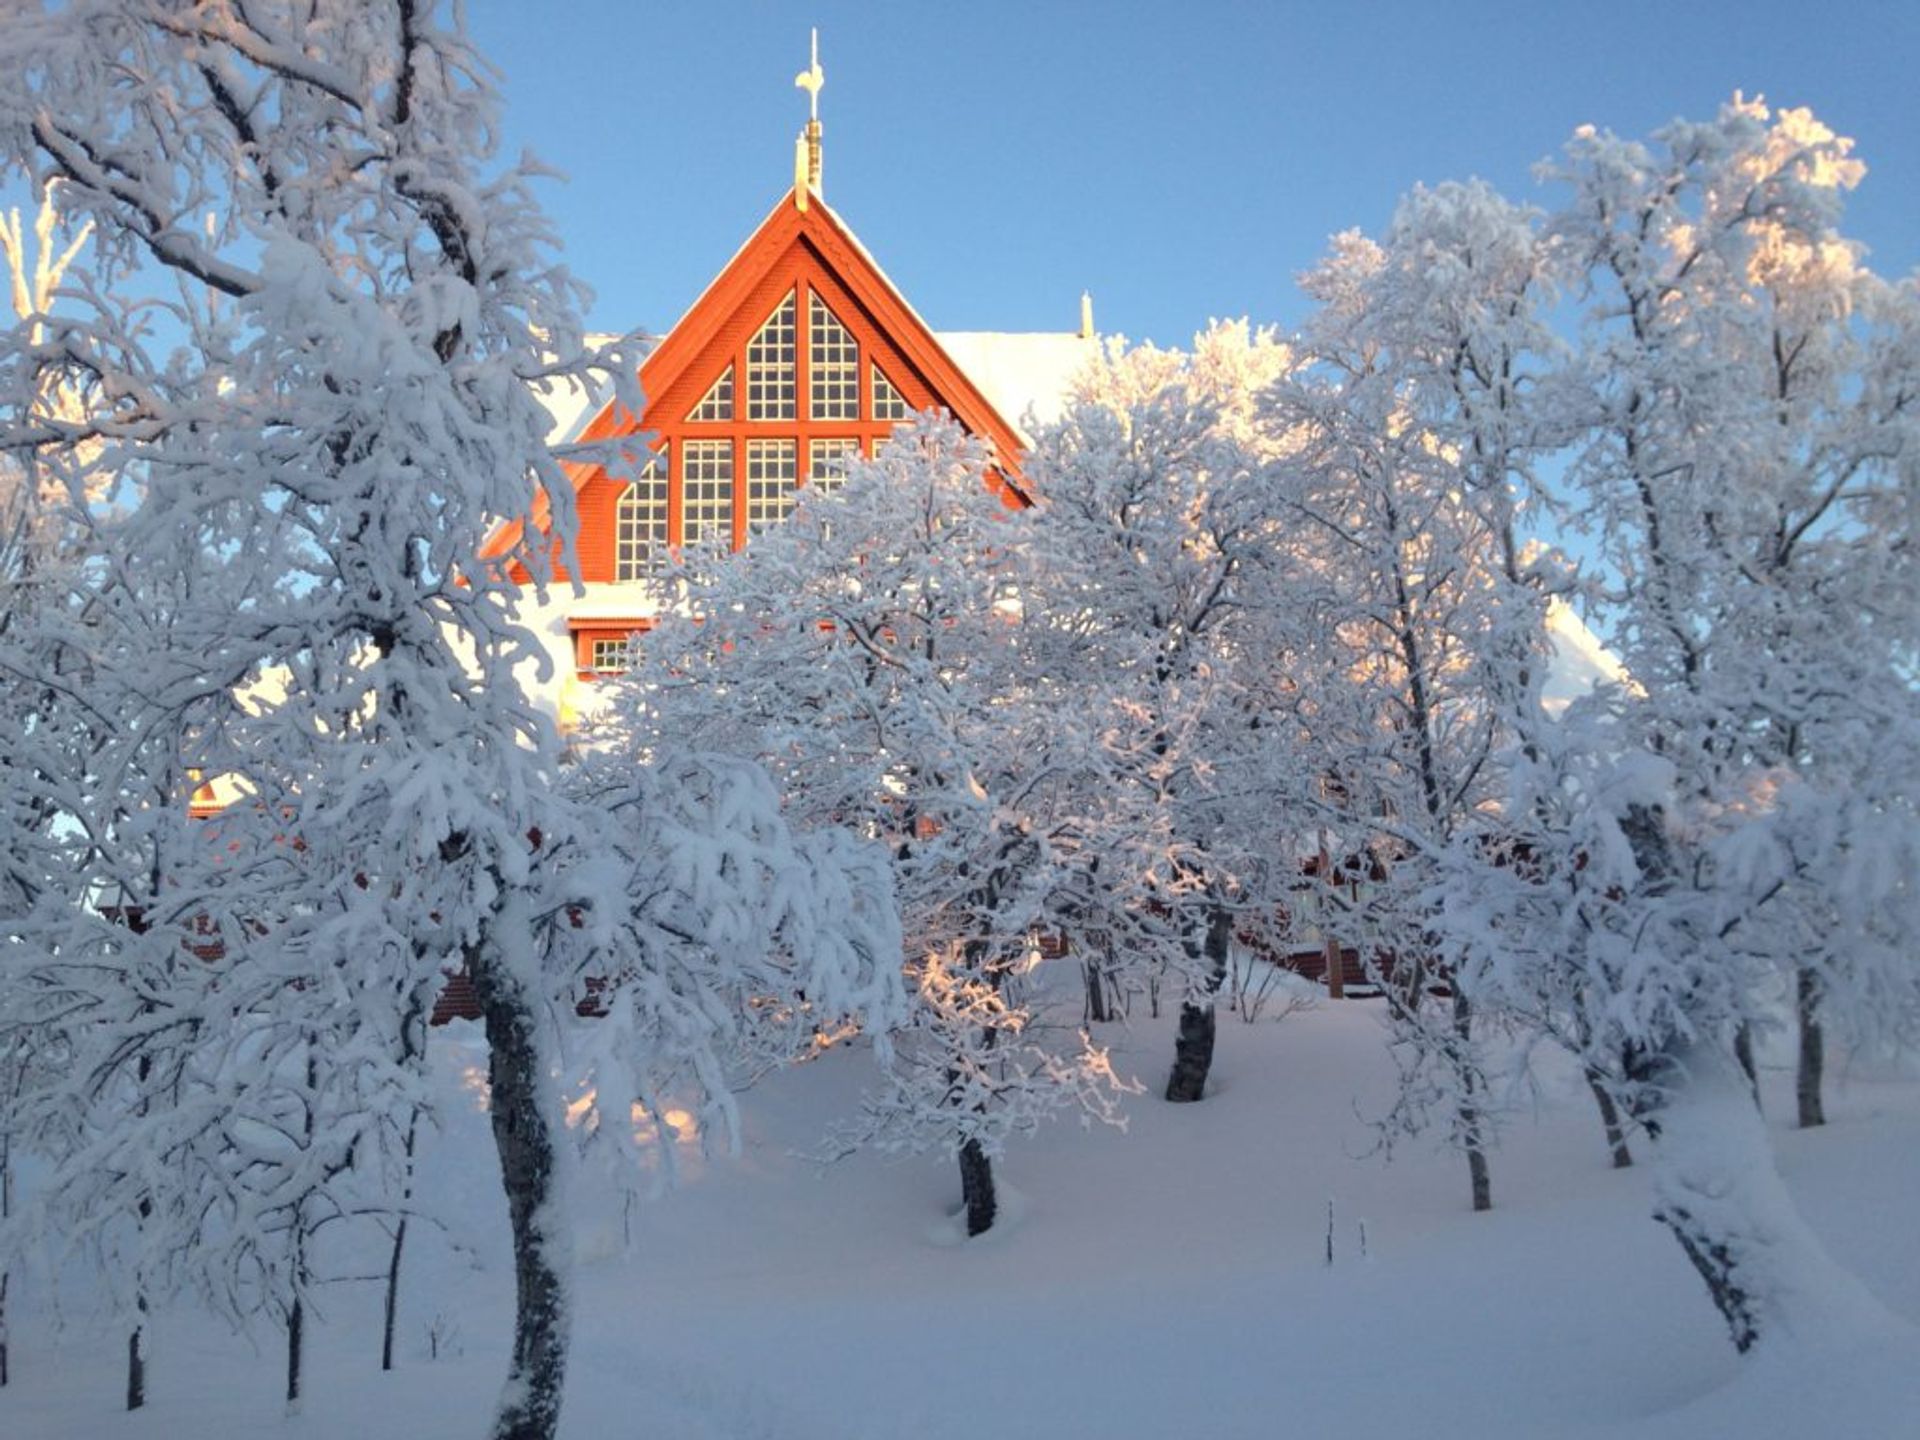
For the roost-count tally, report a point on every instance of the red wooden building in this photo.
(799, 354)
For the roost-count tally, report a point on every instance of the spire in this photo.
(811, 80)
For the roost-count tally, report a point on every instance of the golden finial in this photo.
(812, 80)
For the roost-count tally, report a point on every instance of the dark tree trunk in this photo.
(1661, 1079)
(1099, 1012)
(1469, 1110)
(976, 1188)
(1610, 1119)
(1743, 1052)
(1715, 1185)
(6, 1213)
(522, 1132)
(1193, 1046)
(297, 1309)
(296, 1338)
(137, 1337)
(391, 1309)
(1716, 1265)
(1813, 1051)
(392, 1306)
(137, 1358)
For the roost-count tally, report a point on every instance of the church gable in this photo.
(800, 354)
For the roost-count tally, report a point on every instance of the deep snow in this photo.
(1170, 1281)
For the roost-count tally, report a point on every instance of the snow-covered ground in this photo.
(1170, 1281)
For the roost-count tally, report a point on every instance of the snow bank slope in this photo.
(1169, 1281)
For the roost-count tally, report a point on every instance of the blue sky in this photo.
(1180, 160)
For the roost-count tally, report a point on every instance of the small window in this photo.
(770, 477)
(827, 463)
(609, 656)
(717, 404)
(706, 491)
(770, 366)
(640, 524)
(888, 403)
(833, 365)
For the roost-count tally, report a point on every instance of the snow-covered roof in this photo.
(1580, 661)
(1025, 375)
(613, 600)
(573, 403)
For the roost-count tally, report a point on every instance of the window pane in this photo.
(640, 524)
(770, 466)
(717, 404)
(609, 656)
(888, 403)
(770, 355)
(827, 463)
(706, 491)
(833, 365)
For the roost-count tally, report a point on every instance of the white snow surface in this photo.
(1168, 1281)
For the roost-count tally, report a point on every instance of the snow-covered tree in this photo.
(880, 652)
(1742, 403)
(343, 398)
(1405, 469)
(1162, 556)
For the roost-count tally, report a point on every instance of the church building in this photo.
(799, 354)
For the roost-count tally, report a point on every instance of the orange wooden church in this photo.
(798, 355)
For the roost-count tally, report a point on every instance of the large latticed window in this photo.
(717, 403)
(833, 365)
(706, 491)
(888, 403)
(770, 478)
(781, 401)
(640, 524)
(770, 366)
(827, 463)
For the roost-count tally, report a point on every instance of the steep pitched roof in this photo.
(791, 241)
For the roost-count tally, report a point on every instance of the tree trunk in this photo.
(1716, 1188)
(1193, 1046)
(392, 1306)
(976, 1188)
(1098, 1010)
(529, 1168)
(137, 1337)
(1610, 1119)
(1743, 1052)
(296, 1337)
(6, 1213)
(137, 1357)
(1472, 1138)
(1813, 1051)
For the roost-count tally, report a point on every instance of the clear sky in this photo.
(1181, 160)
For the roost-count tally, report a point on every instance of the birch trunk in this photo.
(1716, 1188)
(1813, 1051)
(977, 1188)
(529, 1168)
(1193, 1046)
